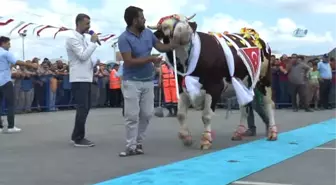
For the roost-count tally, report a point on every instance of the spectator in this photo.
(26, 95)
(283, 80)
(325, 84)
(40, 84)
(275, 79)
(103, 77)
(297, 72)
(53, 87)
(16, 77)
(38, 102)
(314, 77)
(115, 87)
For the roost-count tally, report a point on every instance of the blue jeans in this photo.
(52, 100)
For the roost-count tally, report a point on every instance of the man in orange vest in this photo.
(169, 89)
(115, 87)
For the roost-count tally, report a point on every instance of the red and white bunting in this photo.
(20, 26)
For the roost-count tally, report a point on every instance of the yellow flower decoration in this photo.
(248, 32)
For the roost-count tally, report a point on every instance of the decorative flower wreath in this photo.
(248, 32)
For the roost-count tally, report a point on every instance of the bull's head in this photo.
(176, 27)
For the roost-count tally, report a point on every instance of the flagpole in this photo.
(114, 46)
(23, 35)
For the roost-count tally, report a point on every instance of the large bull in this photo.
(205, 60)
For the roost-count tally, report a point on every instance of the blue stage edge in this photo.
(231, 164)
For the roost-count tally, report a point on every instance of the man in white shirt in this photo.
(81, 75)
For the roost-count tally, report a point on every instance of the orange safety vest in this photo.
(115, 82)
(168, 83)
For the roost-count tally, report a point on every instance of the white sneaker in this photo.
(13, 130)
(1, 130)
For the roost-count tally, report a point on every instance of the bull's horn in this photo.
(152, 27)
(189, 18)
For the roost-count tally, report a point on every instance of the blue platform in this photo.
(231, 164)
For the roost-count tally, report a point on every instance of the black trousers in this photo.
(82, 96)
(39, 97)
(325, 87)
(115, 97)
(7, 94)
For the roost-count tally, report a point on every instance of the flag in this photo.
(60, 30)
(252, 56)
(17, 26)
(45, 27)
(7, 22)
(107, 38)
(25, 26)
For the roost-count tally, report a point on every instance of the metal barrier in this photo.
(228, 103)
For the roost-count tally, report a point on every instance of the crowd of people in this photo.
(47, 88)
(301, 83)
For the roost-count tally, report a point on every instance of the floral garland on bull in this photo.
(250, 32)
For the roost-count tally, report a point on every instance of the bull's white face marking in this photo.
(167, 26)
(180, 34)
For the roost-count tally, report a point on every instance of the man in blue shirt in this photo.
(135, 45)
(7, 59)
(325, 83)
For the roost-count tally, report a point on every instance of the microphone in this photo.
(91, 32)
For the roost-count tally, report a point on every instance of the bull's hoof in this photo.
(186, 139)
(239, 133)
(272, 134)
(206, 146)
(206, 140)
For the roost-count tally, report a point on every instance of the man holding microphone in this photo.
(81, 75)
(135, 45)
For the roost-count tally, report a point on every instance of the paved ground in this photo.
(315, 167)
(42, 155)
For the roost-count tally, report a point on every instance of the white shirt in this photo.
(120, 71)
(79, 55)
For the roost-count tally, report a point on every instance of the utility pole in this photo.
(114, 46)
(23, 35)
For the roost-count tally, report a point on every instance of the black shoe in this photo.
(83, 143)
(128, 152)
(309, 110)
(139, 149)
(250, 132)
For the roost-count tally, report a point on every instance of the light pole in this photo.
(23, 35)
(114, 46)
